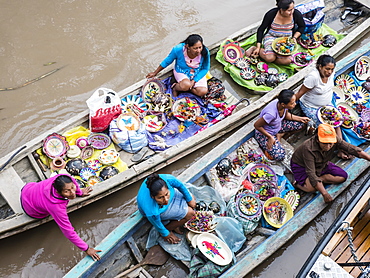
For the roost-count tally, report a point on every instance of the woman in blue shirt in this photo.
(167, 204)
(191, 66)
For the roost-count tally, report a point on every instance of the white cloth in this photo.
(320, 93)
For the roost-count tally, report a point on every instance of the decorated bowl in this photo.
(260, 172)
(329, 115)
(109, 157)
(248, 73)
(362, 68)
(108, 172)
(277, 211)
(349, 115)
(74, 166)
(284, 46)
(74, 151)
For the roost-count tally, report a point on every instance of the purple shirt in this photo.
(271, 116)
(40, 199)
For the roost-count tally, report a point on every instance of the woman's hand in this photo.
(270, 142)
(192, 203)
(151, 75)
(86, 191)
(172, 239)
(256, 52)
(93, 253)
(192, 82)
(304, 120)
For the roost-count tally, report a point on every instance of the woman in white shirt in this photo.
(317, 87)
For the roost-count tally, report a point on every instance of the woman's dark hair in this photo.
(324, 60)
(193, 39)
(60, 182)
(155, 184)
(285, 96)
(283, 4)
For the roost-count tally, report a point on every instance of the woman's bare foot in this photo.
(249, 52)
(174, 92)
(178, 231)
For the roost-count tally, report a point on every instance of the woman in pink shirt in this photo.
(50, 197)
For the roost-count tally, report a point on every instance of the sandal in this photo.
(139, 155)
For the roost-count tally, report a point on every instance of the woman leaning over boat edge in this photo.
(50, 197)
(277, 22)
(166, 203)
(192, 63)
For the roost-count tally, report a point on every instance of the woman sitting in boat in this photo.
(311, 164)
(275, 120)
(167, 204)
(277, 22)
(191, 66)
(50, 197)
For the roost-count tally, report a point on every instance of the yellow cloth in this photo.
(71, 136)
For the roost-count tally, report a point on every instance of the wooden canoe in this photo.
(264, 242)
(23, 168)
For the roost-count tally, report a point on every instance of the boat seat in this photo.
(10, 188)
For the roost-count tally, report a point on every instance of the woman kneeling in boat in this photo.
(191, 66)
(311, 164)
(50, 197)
(163, 198)
(275, 120)
(277, 22)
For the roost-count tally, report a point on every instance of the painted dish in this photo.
(329, 115)
(349, 115)
(152, 87)
(91, 181)
(362, 129)
(338, 95)
(154, 122)
(283, 46)
(99, 140)
(362, 68)
(282, 77)
(87, 152)
(292, 197)
(262, 67)
(344, 82)
(357, 95)
(128, 121)
(248, 73)
(302, 59)
(201, 222)
(86, 173)
(261, 172)
(309, 44)
(82, 142)
(133, 104)
(241, 63)
(109, 157)
(74, 151)
(94, 164)
(186, 109)
(194, 240)
(248, 206)
(108, 172)
(232, 51)
(214, 249)
(272, 71)
(55, 145)
(252, 60)
(190, 235)
(266, 189)
(277, 211)
(74, 166)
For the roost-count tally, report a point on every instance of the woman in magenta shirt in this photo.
(50, 197)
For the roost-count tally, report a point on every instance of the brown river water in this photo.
(109, 44)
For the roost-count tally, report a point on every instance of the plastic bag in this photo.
(130, 141)
(313, 15)
(230, 231)
(104, 106)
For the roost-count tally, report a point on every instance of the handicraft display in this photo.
(153, 93)
(133, 104)
(214, 249)
(292, 197)
(349, 115)
(241, 63)
(202, 221)
(109, 157)
(248, 73)
(302, 59)
(357, 95)
(55, 145)
(261, 172)
(277, 211)
(329, 115)
(186, 109)
(284, 46)
(344, 82)
(248, 205)
(362, 68)
(99, 141)
(232, 51)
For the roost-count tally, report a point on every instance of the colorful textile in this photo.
(290, 70)
(277, 152)
(276, 31)
(202, 267)
(271, 116)
(150, 208)
(40, 199)
(310, 112)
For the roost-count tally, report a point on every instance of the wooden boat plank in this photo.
(337, 237)
(301, 218)
(10, 188)
(366, 3)
(135, 250)
(36, 167)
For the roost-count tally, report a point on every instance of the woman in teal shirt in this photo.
(167, 204)
(191, 66)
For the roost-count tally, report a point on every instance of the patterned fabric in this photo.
(201, 267)
(276, 31)
(277, 152)
(311, 113)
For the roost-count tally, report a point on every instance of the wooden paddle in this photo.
(155, 256)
